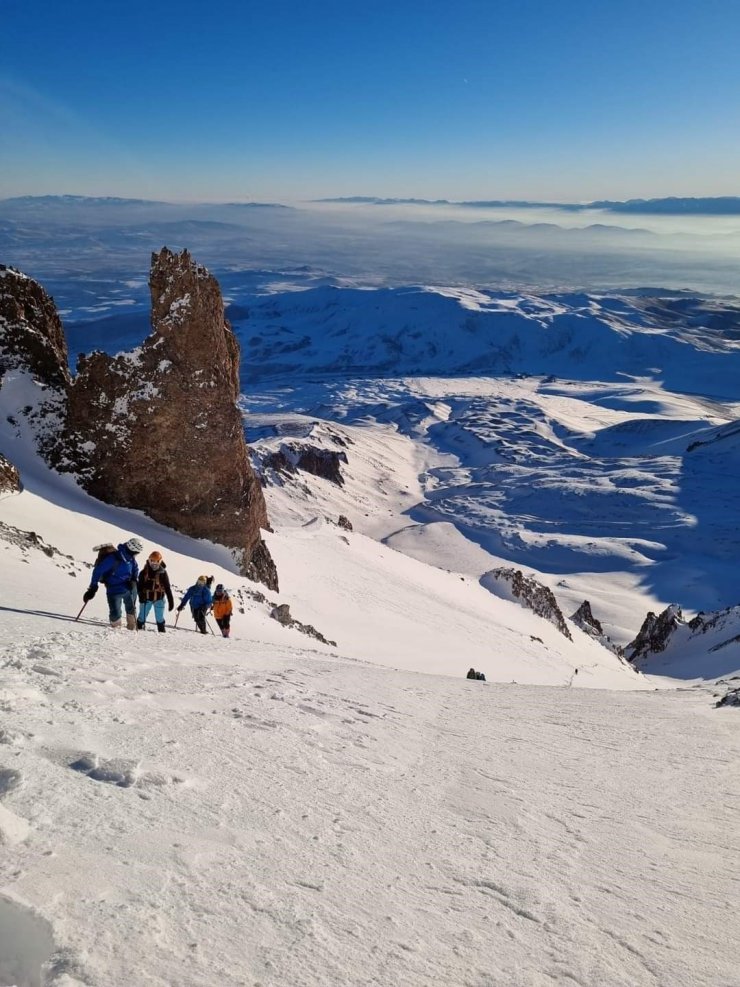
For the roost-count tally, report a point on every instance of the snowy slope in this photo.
(424, 330)
(624, 494)
(179, 809)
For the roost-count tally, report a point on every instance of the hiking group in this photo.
(117, 569)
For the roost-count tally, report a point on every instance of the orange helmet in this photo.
(156, 557)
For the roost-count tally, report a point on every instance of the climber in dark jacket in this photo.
(118, 572)
(472, 674)
(154, 586)
(200, 599)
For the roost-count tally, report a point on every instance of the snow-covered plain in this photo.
(186, 811)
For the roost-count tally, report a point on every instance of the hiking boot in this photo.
(115, 624)
(139, 625)
(131, 621)
(161, 627)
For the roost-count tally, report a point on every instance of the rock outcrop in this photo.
(291, 457)
(730, 698)
(31, 333)
(34, 375)
(584, 618)
(10, 481)
(158, 429)
(283, 616)
(656, 631)
(512, 584)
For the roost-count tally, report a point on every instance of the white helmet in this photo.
(134, 545)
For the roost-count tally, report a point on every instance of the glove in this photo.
(179, 609)
(89, 594)
(170, 606)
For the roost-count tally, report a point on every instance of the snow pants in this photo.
(225, 624)
(122, 599)
(146, 606)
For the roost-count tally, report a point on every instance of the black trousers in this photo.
(199, 616)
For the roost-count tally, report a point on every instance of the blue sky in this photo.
(292, 100)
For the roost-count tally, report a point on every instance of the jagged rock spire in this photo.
(655, 633)
(158, 428)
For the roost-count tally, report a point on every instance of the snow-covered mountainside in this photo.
(180, 809)
(423, 331)
(593, 441)
(186, 809)
(588, 439)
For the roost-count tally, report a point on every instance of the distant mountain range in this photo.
(728, 205)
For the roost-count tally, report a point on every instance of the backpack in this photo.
(105, 549)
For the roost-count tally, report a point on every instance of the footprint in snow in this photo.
(121, 773)
(10, 779)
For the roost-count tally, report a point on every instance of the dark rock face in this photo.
(32, 343)
(584, 618)
(323, 462)
(291, 457)
(531, 594)
(283, 616)
(730, 698)
(10, 481)
(158, 428)
(655, 633)
(31, 333)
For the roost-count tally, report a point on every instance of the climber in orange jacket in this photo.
(222, 608)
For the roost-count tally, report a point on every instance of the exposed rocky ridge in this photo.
(706, 646)
(585, 620)
(283, 616)
(730, 698)
(716, 621)
(292, 457)
(513, 584)
(156, 429)
(656, 631)
(31, 333)
(10, 481)
(32, 344)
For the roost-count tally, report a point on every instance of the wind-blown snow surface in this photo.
(256, 811)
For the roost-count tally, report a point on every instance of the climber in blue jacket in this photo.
(118, 571)
(200, 598)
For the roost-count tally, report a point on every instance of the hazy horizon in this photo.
(566, 102)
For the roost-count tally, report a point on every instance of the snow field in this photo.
(266, 815)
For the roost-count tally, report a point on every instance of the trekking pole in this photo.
(209, 626)
(176, 616)
(81, 609)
